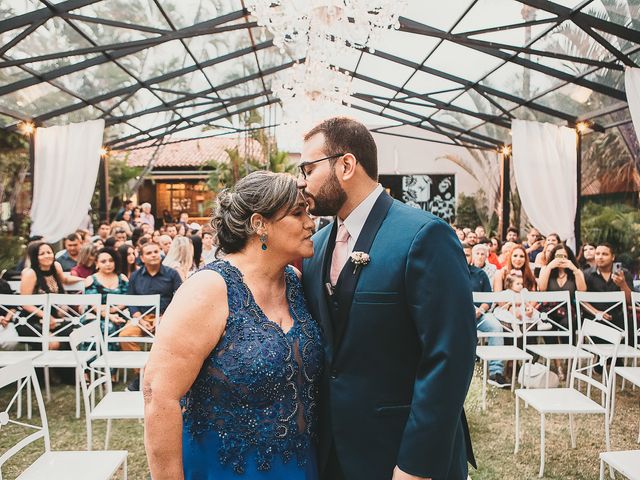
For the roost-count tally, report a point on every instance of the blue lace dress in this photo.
(251, 412)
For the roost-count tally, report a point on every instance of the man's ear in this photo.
(347, 166)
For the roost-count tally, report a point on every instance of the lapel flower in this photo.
(359, 259)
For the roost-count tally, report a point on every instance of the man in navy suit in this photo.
(399, 325)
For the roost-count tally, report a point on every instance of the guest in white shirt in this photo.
(208, 248)
(146, 216)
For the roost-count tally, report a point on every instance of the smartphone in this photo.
(617, 267)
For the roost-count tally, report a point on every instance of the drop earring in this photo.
(263, 239)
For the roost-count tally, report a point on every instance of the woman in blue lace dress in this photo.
(231, 384)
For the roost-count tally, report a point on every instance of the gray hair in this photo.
(262, 192)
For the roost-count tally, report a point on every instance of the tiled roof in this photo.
(191, 153)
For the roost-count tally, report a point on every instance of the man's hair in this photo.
(72, 237)
(150, 243)
(514, 230)
(479, 246)
(465, 245)
(345, 135)
(608, 245)
(104, 224)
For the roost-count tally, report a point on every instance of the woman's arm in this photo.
(28, 281)
(191, 327)
(497, 280)
(66, 278)
(581, 283)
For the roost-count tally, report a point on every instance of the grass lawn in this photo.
(492, 433)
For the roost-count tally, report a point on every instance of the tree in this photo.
(226, 174)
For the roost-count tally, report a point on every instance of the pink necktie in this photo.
(339, 253)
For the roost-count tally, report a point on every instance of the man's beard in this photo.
(329, 199)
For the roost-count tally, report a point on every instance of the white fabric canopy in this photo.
(632, 86)
(66, 168)
(544, 164)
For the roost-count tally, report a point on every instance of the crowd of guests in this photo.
(126, 256)
(539, 263)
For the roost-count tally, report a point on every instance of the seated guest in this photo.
(107, 280)
(172, 231)
(541, 260)
(86, 261)
(504, 252)
(45, 275)
(180, 256)
(208, 248)
(196, 242)
(135, 235)
(471, 238)
(460, 234)
(516, 260)
(479, 254)
(103, 231)
(110, 243)
(512, 235)
(534, 244)
(98, 244)
(121, 237)
(486, 323)
(494, 251)
(603, 278)
(587, 256)
(481, 233)
(152, 278)
(136, 212)
(127, 206)
(184, 221)
(561, 274)
(146, 216)
(69, 257)
(165, 242)
(127, 257)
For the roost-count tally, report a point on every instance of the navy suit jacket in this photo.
(400, 343)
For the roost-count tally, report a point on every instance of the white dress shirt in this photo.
(357, 218)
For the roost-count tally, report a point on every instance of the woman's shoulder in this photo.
(27, 273)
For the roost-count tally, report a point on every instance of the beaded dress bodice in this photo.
(258, 387)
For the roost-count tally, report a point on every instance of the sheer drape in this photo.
(66, 168)
(632, 87)
(544, 164)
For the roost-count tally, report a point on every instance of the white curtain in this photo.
(544, 164)
(66, 168)
(632, 86)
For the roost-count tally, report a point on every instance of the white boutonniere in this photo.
(359, 259)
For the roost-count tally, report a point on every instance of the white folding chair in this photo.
(557, 303)
(630, 374)
(626, 463)
(76, 287)
(52, 465)
(118, 304)
(487, 353)
(70, 311)
(570, 400)
(14, 305)
(113, 405)
(611, 302)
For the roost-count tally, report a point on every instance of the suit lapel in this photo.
(348, 279)
(325, 251)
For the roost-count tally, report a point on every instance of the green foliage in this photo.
(120, 176)
(617, 224)
(11, 249)
(467, 212)
(226, 174)
(279, 162)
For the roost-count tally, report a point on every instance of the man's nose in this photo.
(302, 183)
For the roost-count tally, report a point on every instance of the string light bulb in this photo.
(27, 128)
(582, 127)
(103, 151)
(506, 150)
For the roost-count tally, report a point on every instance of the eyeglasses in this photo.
(303, 166)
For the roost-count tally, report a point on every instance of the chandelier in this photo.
(310, 89)
(345, 23)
